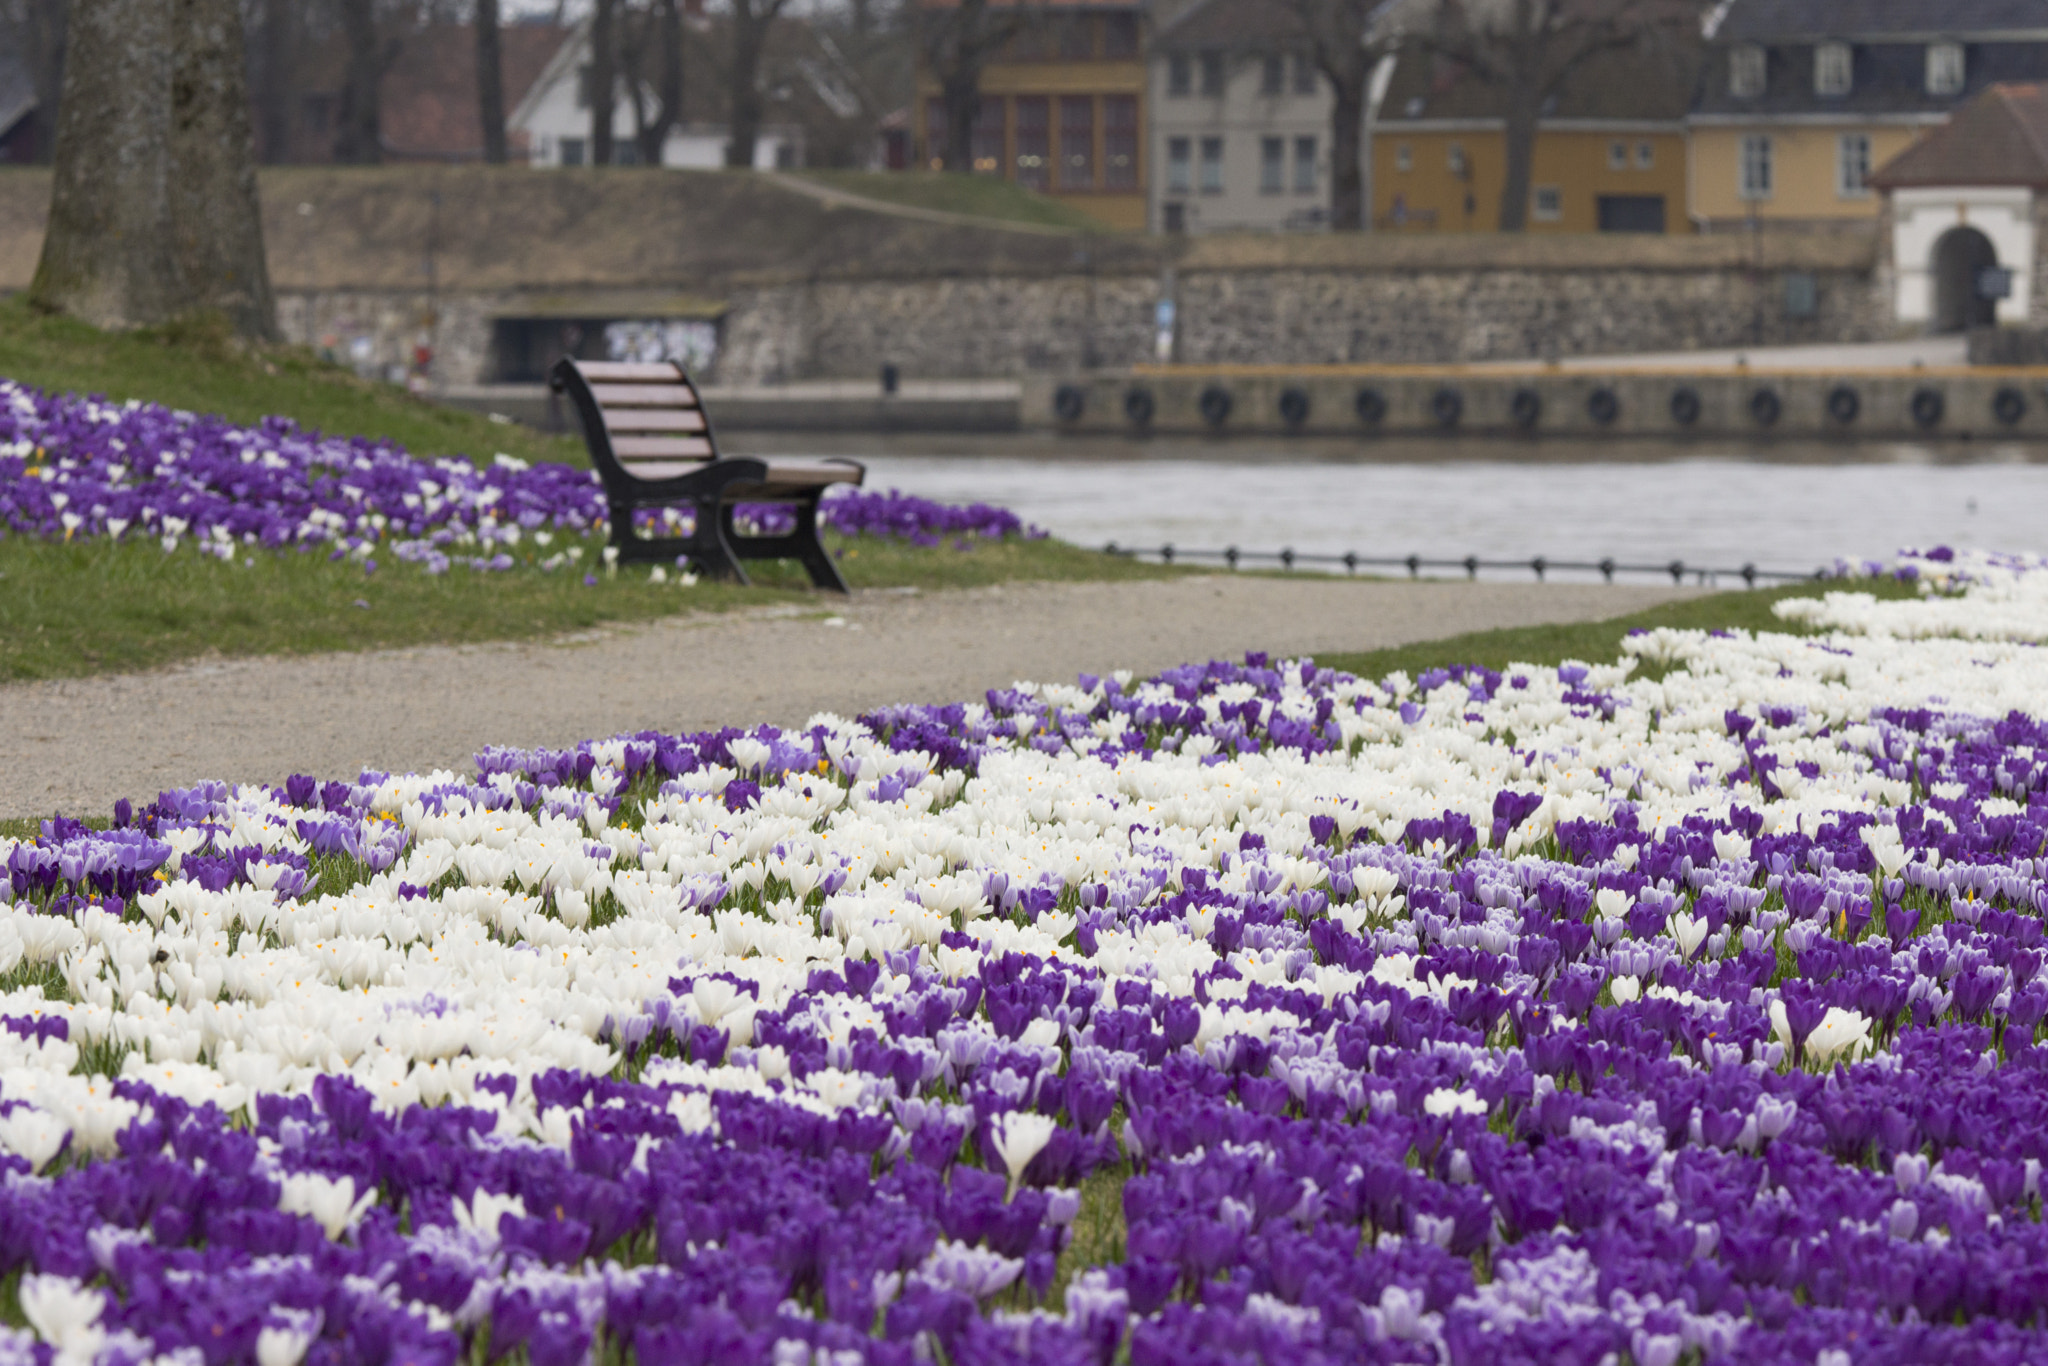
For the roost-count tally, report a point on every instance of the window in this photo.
(1831, 69)
(572, 151)
(1272, 165)
(1746, 72)
(1852, 162)
(1305, 74)
(1077, 142)
(1179, 74)
(1077, 39)
(1454, 159)
(1212, 73)
(1404, 157)
(1119, 36)
(1617, 156)
(1033, 116)
(1944, 68)
(1212, 165)
(1756, 168)
(1546, 203)
(1120, 142)
(1179, 170)
(1646, 156)
(988, 136)
(1273, 76)
(1304, 165)
(583, 87)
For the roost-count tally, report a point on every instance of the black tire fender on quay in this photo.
(1215, 404)
(1069, 401)
(1294, 406)
(1766, 407)
(1139, 406)
(1927, 407)
(2008, 405)
(1602, 406)
(1526, 408)
(1844, 404)
(1371, 407)
(1447, 405)
(1685, 406)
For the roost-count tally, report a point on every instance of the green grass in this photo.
(198, 367)
(97, 607)
(978, 196)
(1599, 642)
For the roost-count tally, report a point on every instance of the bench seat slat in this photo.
(632, 448)
(627, 372)
(644, 395)
(654, 420)
(655, 470)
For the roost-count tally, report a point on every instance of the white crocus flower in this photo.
(66, 1315)
(1018, 1136)
(328, 1202)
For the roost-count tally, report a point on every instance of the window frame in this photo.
(1215, 74)
(1749, 71)
(1308, 78)
(1404, 157)
(1272, 165)
(1180, 75)
(1550, 212)
(1860, 162)
(1209, 179)
(1755, 169)
(1180, 165)
(1617, 156)
(1834, 70)
(1646, 156)
(1272, 75)
(1307, 168)
(1947, 61)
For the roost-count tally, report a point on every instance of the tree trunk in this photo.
(153, 207)
(105, 256)
(216, 238)
(749, 32)
(1348, 209)
(46, 56)
(278, 81)
(359, 131)
(490, 82)
(961, 96)
(1519, 137)
(650, 131)
(604, 81)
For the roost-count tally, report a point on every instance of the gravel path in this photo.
(78, 745)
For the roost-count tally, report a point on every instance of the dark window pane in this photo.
(1120, 142)
(1077, 142)
(1033, 114)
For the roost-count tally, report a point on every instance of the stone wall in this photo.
(1011, 326)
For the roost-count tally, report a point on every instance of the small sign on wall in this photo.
(1994, 282)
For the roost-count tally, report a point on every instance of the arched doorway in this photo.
(1961, 255)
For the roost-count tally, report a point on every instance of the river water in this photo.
(1783, 507)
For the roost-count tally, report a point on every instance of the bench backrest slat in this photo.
(627, 372)
(631, 448)
(645, 395)
(620, 420)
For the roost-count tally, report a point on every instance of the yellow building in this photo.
(1062, 108)
(1609, 153)
(1800, 100)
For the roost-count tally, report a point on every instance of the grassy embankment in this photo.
(67, 610)
(974, 196)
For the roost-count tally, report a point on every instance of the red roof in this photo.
(1999, 138)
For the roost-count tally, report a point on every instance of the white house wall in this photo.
(1241, 116)
(2004, 214)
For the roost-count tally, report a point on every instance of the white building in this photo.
(1240, 122)
(554, 115)
(1966, 209)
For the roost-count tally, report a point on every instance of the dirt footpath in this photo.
(78, 745)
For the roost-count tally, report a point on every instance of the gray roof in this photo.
(1766, 21)
(1886, 78)
(1235, 26)
(17, 91)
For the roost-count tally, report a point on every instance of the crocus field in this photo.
(74, 468)
(1683, 1007)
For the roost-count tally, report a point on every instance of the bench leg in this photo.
(711, 547)
(824, 573)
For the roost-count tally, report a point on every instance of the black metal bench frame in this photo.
(711, 485)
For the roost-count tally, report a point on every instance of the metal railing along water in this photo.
(1351, 562)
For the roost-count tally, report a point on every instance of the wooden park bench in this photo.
(652, 444)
